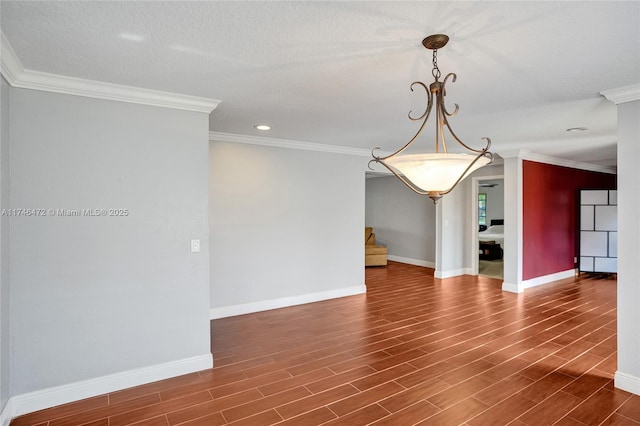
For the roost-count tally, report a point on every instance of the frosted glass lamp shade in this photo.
(435, 172)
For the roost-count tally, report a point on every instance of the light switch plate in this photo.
(195, 246)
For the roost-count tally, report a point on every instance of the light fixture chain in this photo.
(435, 72)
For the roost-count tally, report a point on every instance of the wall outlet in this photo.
(195, 246)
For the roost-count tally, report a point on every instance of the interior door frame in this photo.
(473, 249)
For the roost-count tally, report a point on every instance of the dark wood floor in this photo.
(413, 350)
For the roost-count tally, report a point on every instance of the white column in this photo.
(439, 249)
(628, 100)
(452, 229)
(513, 221)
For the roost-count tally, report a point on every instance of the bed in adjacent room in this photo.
(493, 233)
(492, 241)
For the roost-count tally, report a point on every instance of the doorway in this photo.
(488, 226)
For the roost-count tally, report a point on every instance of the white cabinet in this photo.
(598, 231)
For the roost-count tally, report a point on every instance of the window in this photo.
(482, 209)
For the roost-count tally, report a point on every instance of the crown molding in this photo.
(288, 144)
(17, 76)
(10, 65)
(335, 149)
(36, 80)
(514, 153)
(623, 94)
(568, 163)
(525, 154)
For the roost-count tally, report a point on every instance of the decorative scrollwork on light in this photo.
(437, 90)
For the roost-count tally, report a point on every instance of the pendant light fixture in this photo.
(435, 174)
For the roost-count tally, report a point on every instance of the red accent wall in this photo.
(550, 215)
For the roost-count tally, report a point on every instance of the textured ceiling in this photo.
(339, 72)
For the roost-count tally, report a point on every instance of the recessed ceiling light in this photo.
(576, 129)
(262, 127)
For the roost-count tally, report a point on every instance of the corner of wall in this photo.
(7, 413)
(5, 221)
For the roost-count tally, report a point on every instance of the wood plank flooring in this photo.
(413, 350)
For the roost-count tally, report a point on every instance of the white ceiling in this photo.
(339, 72)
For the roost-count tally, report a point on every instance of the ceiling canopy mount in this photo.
(435, 41)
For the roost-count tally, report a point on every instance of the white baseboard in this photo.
(47, 398)
(452, 273)
(627, 382)
(512, 288)
(7, 414)
(283, 302)
(546, 279)
(409, 261)
(533, 282)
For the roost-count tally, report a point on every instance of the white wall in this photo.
(402, 220)
(285, 224)
(628, 374)
(5, 140)
(92, 296)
